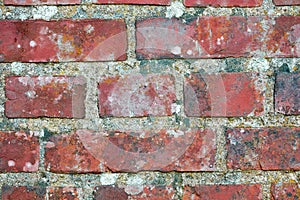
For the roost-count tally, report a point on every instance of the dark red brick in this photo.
(19, 152)
(136, 95)
(39, 193)
(59, 96)
(286, 2)
(283, 38)
(287, 93)
(125, 192)
(285, 191)
(203, 37)
(227, 3)
(131, 151)
(265, 149)
(66, 154)
(224, 94)
(218, 192)
(64, 40)
(41, 2)
(149, 2)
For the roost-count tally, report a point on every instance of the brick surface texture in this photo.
(149, 99)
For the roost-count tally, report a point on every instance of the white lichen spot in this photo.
(176, 50)
(189, 52)
(19, 46)
(32, 43)
(176, 9)
(175, 133)
(44, 30)
(218, 41)
(89, 29)
(108, 179)
(30, 94)
(29, 167)
(249, 30)
(50, 145)
(11, 163)
(134, 185)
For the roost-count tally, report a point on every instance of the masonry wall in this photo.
(158, 99)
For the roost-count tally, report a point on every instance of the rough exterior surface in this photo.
(164, 150)
(41, 2)
(265, 149)
(225, 94)
(133, 192)
(228, 192)
(65, 40)
(136, 95)
(38, 193)
(223, 3)
(31, 97)
(285, 191)
(287, 93)
(286, 2)
(150, 2)
(19, 152)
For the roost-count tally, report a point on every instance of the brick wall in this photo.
(159, 99)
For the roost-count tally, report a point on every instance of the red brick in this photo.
(283, 38)
(19, 152)
(286, 2)
(136, 95)
(39, 193)
(227, 3)
(203, 37)
(66, 154)
(218, 192)
(125, 192)
(64, 40)
(224, 94)
(59, 96)
(285, 191)
(218, 37)
(287, 93)
(41, 2)
(164, 150)
(149, 2)
(265, 149)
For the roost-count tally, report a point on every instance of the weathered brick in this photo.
(165, 150)
(137, 192)
(41, 2)
(59, 96)
(285, 191)
(67, 154)
(19, 152)
(136, 95)
(265, 149)
(287, 93)
(218, 37)
(283, 38)
(228, 192)
(224, 94)
(64, 40)
(286, 2)
(204, 37)
(227, 3)
(149, 2)
(39, 193)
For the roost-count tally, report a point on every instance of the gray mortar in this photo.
(177, 67)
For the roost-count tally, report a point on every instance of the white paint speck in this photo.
(30, 94)
(189, 52)
(176, 50)
(19, 46)
(218, 41)
(11, 163)
(32, 43)
(249, 30)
